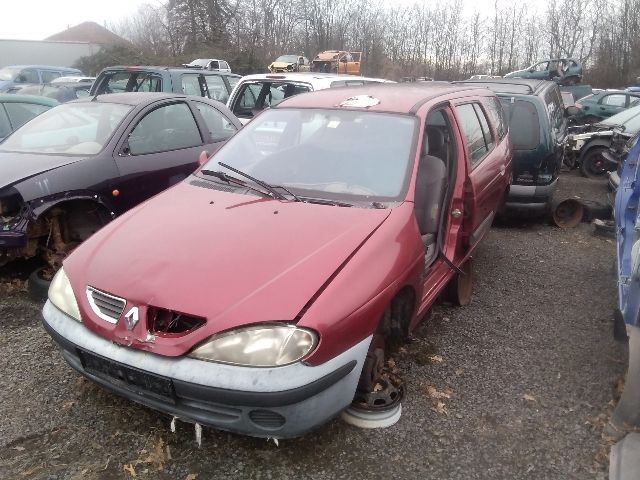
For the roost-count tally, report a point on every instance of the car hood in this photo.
(16, 167)
(229, 258)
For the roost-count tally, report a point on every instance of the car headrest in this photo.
(435, 140)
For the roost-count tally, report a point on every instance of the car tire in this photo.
(38, 287)
(592, 164)
(460, 288)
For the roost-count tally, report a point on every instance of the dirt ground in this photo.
(517, 385)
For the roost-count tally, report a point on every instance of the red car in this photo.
(258, 295)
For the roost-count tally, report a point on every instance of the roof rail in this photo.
(500, 81)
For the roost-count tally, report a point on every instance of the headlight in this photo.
(258, 346)
(61, 295)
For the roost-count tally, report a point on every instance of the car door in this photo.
(611, 104)
(159, 149)
(486, 170)
(218, 126)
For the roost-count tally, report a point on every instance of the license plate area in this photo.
(137, 381)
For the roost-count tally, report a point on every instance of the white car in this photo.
(209, 64)
(254, 93)
(74, 79)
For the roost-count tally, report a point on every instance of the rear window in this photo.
(494, 109)
(524, 123)
(130, 82)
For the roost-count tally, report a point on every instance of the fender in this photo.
(594, 142)
(42, 205)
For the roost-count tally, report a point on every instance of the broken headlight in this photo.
(271, 345)
(62, 296)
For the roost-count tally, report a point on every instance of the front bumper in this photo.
(531, 199)
(280, 402)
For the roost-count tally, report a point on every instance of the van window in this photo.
(130, 82)
(524, 123)
(473, 133)
(217, 88)
(554, 106)
(191, 85)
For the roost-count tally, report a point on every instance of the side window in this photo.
(553, 104)
(218, 125)
(170, 127)
(48, 75)
(21, 113)
(217, 88)
(494, 109)
(486, 131)
(28, 75)
(191, 85)
(148, 83)
(214, 65)
(115, 83)
(5, 126)
(614, 100)
(474, 137)
(247, 98)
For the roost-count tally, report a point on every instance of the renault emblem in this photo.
(131, 318)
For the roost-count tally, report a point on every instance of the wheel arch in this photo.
(598, 142)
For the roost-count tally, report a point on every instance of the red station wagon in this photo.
(260, 295)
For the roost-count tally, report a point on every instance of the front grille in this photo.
(267, 418)
(105, 306)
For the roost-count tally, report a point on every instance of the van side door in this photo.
(486, 167)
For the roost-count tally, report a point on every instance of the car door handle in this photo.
(502, 169)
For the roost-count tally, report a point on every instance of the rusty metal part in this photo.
(379, 388)
(568, 213)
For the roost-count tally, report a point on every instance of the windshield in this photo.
(72, 129)
(200, 62)
(333, 154)
(287, 59)
(629, 118)
(9, 73)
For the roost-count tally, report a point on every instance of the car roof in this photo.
(36, 99)
(513, 86)
(393, 97)
(157, 68)
(130, 98)
(317, 80)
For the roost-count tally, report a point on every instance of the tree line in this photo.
(438, 39)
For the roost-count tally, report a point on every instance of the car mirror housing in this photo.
(203, 157)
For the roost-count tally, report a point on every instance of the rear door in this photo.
(486, 168)
(611, 104)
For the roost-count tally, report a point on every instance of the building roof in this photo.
(89, 32)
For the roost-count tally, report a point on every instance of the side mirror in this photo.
(572, 110)
(203, 157)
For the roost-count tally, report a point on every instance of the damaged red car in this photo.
(260, 295)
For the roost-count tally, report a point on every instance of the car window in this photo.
(72, 129)
(115, 83)
(224, 64)
(191, 85)
(21, 113)
(486, 131)
(554, 106)
(495, 111)
(474, 136)
(233, 81)
(260, 95)
(28, 75)
(214, 64)
(48, 75)
(170, 127)
(218, 125)
(614, 100)
(148, 83)
(5, 127)
(541, 67)
(524, 124)
(217, 88)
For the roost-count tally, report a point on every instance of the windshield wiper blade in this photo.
(324, 201)
(233, 180)
(273, 192)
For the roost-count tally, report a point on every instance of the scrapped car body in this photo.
(15, 75)
(626, 416)
(16, 110)
(62, 92)
(75, 167)
(606, 103)
(586, 147)
(337, 61)
(565, 71)
(254, 93)
(187, 81)
(289, 63)
(324, 229)
(209, 64)
(538, 125)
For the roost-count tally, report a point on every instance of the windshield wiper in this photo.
(233, 180)
(272, 191)
(324, 201)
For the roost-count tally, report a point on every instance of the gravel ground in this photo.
(516, 385)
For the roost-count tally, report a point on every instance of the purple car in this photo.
(74, 168)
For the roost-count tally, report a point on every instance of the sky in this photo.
(42, 18)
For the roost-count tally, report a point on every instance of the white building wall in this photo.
(43, 52)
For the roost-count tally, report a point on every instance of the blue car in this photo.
(627, 318)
